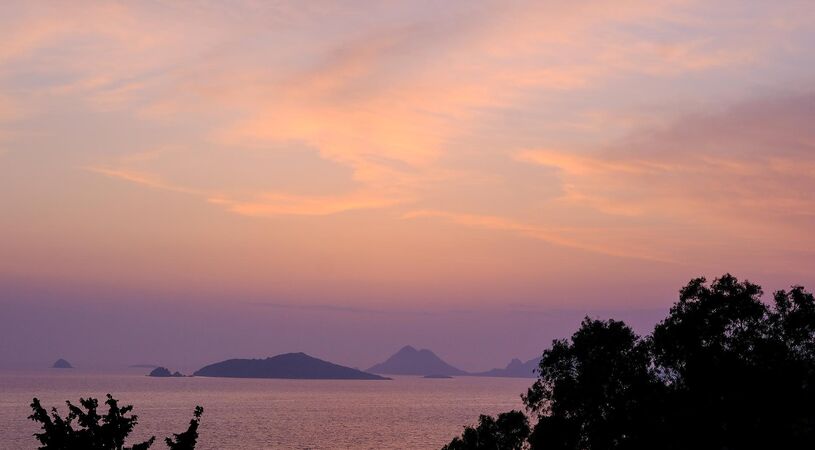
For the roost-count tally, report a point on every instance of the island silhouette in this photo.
(62, 364)
(409, 361)
(515, 369)
(288, 365)
(163, 372)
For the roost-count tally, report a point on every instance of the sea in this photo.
(402, 413)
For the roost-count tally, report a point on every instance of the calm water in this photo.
(405, 413)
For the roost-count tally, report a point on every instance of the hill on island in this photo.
(62, 364)
(409, 361)
(163, 372)
(288, 365)
(515, 369)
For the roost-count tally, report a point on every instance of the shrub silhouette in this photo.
(88, 430)
(724, 370)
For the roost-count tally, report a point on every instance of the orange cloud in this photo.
(747, 171)
(261, 204)
(273, 204)
(367, 98)
(504, 119)
(143, 179)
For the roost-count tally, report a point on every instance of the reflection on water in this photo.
(407, 412)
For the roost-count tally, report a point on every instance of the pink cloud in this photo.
(745, 174)
(494, 122)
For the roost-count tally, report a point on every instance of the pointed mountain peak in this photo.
(515, 363)
(515, 368)
(409, 361)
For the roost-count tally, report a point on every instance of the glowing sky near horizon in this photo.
(409, 155)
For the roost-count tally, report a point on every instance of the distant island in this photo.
(289, 366)
(515, 368)
(438, 376)
(409, 361)
(62, 364)
(163, 372)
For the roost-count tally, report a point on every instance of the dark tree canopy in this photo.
(723, 371)
(88, 430)
(597, 384)
(508, 431)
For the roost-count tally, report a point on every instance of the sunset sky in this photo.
(218, 179)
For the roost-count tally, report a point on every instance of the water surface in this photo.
(404, 413)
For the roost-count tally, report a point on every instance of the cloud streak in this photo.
(676, 132)
(553, 236)
(742, 175)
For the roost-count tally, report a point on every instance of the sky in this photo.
(182, 182)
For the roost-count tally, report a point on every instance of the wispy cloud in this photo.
(406, 92)
(746, 171)
(260, 204)
(561, 237)
(272, 204)
(143, 179)
(598, 126)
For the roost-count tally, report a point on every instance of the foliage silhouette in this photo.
(508, 431)
(724, 370)
(598, 385)
(88, 430)
(187, 439)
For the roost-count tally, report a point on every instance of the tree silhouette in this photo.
(187, 439)
(738, 372)
(592, 390)
(723, 371)
(509, 431)
(88, 430)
